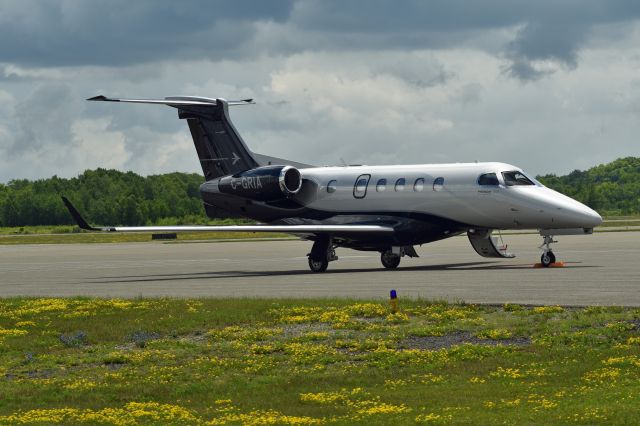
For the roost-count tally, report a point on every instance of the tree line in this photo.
(104, 197)
(610, 189)
(111, 197)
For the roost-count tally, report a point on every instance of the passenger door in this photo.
(360, 186)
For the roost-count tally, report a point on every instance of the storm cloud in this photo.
(547, 85)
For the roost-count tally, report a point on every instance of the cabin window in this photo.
(488, 179)
(331, 186)
(516, 179)
(418, 185)
(438, 184)
(360, 188)
(381, 185)
(400, 185)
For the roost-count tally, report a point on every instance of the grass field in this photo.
(71, 234)
(617, 221)
(68, 234)
(235, 361)
(132, 237)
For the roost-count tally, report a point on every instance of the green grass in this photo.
(622, 218)
(73, 229)
(255, 361)
(40, 229)
(619, 221)
(117, 237)
(68, 234)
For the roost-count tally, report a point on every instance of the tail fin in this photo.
(220, 147)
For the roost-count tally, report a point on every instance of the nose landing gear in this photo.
(547, 257)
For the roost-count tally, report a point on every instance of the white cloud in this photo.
(96, 146)
(364, 106)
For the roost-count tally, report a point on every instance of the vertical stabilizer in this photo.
(220, 147)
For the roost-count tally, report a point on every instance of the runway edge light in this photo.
(394, 301)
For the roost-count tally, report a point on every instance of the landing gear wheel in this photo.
(321, 254)
(318, 265)
(547, 259)
(389, 260)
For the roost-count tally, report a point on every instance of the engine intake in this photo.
(268, 183)
(290, 180)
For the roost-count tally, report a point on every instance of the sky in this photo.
(549, 86)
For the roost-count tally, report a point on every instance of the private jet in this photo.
(387, 209)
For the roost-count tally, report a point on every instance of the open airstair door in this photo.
(487, 245)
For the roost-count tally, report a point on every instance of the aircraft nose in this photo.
(587, 217)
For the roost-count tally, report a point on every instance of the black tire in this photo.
(389, 260)
(547, 259)
(318, 265)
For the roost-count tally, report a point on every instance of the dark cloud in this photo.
(333, 79)
(119, 32)
(116, 32)
(549, 30)
(43, 118)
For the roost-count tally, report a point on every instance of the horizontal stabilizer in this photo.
(291, 229)
(174, 101)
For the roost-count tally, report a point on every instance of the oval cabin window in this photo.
(418, 185)
(331, 187)
(438, 184)
(381, 185)
(400, 184)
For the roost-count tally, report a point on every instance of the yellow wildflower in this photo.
(547, 309)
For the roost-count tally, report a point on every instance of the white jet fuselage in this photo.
(449, 191)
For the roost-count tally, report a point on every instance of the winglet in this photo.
(98, 98)
(76, 216)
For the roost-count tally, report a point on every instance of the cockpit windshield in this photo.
(516, 178)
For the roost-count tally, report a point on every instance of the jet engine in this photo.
(268, 183)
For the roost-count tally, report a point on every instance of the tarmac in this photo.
(600, 269)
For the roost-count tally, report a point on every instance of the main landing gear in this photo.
(322, 252)
(391, 258)
(547, 257)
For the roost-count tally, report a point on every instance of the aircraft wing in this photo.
(292, 229)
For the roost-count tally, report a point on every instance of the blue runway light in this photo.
(394, 301)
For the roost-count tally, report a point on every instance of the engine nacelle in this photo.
(268, 183)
